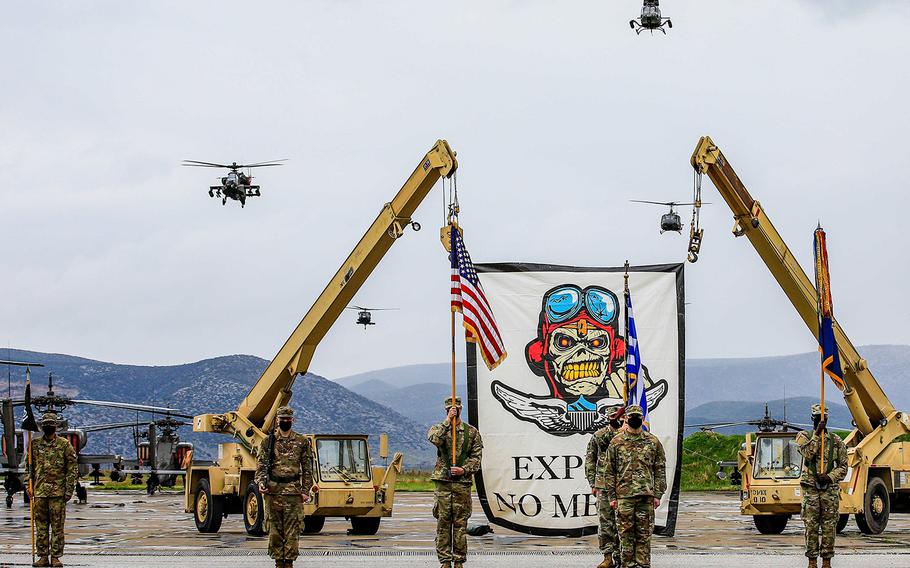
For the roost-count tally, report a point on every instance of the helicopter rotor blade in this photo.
(103, 427)
(129, 406)
(654, 202)
(204, 164)
(264, 164)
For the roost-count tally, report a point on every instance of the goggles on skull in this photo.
(566, 302)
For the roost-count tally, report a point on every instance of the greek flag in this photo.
(636, 383)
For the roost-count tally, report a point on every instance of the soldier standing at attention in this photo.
(595, 468)
(821, 489)
(452, 500)
(635, 480)
(54, 470)
(284, 475)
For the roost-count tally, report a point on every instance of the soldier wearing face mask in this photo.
(54, 471)
(595, 469)
(284, 475)
(635, 480)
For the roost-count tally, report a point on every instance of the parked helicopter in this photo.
(365, 316)
(235, 185)
(14, 439)
(669, 221)
(650, 18)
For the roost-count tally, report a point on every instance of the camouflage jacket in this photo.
(636, 466)
(468, 452)
(595, 457)
(55, 467)
(292, 465)
(835, 457)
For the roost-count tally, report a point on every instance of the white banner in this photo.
(563, 328)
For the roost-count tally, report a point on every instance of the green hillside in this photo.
(701, 452)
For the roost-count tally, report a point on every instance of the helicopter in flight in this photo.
(235, 185)
(650, 19)
(365, 315)
(14, 446)
(669, 221)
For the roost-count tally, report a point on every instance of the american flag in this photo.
(469, 299)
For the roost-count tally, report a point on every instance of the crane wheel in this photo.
(876, 508)
(365, 525)
(770, 524)
(313, 524)
(842, 523)
(208, 509)
(254, 511)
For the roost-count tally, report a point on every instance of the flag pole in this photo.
(29, 469)
(625, 383)
(820, 253)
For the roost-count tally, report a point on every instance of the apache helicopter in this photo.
(235, 185)
(650, 19)
(365, 316)
(14, 439)
(669, 221)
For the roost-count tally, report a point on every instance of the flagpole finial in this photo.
(626, 276)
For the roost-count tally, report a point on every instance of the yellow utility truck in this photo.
(346, 483)
(878, 476)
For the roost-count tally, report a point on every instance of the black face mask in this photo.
(815, 420)
(634, 422)
(49, 430)
(616, 424)
(285, 425)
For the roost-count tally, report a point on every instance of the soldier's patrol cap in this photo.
(285, 412)
(817, 410)
(49, 417)
(634, 410)
(448, 402)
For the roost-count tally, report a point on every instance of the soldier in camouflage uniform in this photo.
(54, 471)
(635, 480)
(452, 500)
(821, 490)
(595, 468)
(286, 487)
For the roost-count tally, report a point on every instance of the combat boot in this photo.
(41, 562)
(813, 563)
(56, 562)
(458, 565)
(826, 563)
(607, 562)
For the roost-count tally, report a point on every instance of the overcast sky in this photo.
(559, 113)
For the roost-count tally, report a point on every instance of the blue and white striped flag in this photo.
(635, 381)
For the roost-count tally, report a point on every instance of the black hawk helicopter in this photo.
(650, 19)
(669, 221)
(365, 316)
(13, 467)
(235, 185)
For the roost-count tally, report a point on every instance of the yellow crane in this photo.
(878, 478)
(347, 486)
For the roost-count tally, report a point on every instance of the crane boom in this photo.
(864, 396)
(256, 412)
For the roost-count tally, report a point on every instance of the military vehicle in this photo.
(346, 483)
(236, 185)
(651, 19)
(878, 475)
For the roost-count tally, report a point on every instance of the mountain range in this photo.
(403, 401)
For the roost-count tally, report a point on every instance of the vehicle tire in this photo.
(313, 524)
(770, 524)
(208, 509)
(254, 511)
(365, 525)
(842, 523)
(876, 508)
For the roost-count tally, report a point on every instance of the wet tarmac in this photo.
(127, 523)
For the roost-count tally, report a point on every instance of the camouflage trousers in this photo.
(452, 509)
(285, 512)
(607, 537)
(635, 521)
(50, 515)
(820, 515)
